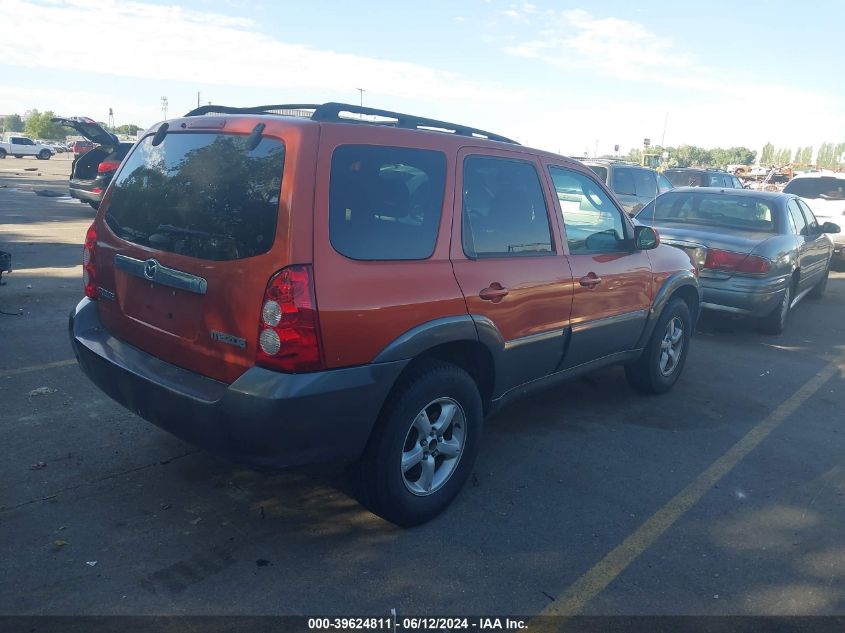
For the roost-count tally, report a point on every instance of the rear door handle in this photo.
(590, 280)
(495, 292)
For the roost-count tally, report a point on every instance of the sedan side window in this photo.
(812, 222)
(797, 217)
(593, 223)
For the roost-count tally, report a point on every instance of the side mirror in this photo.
(830, 227)
(646, 238)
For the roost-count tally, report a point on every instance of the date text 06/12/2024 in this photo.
(393, 623)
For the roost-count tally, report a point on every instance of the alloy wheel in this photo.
(671, 346)
(433, 446)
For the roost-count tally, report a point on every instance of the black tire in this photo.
(44, 155)
(94, 205)
(2, 153)
(818, 290)
(651, 373)
(379, 476)
(775, 321)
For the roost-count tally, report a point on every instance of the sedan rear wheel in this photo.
(44, 154)
(775, 321)
(818, 290)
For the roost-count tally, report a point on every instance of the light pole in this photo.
(361, 95)
(164, 106)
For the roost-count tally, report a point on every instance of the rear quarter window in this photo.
(199, 195)
(385, 202)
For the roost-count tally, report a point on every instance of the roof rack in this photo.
(334, 112)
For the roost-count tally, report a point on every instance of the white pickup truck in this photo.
(19, 146)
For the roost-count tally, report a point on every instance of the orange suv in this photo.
(309, 283)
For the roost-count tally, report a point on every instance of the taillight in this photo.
(288, 329)
(89, 264)
(107, 165)
(730, 262)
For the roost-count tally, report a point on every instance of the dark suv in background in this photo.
(692, 177)
(94, 167)
(634, 186)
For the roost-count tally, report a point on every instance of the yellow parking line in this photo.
(594, 581)
(25, 370)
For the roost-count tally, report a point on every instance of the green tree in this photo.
(767, 156)
(825, 158)
(130, 129)
(839, 154)
(806, 157)
(783, 156)
(732, 156)
(13, 123)
(39, 125)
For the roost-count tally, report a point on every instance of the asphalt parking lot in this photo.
(725, 496)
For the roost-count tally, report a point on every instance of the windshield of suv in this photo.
(826, 188)
(200, 195)
(712, 209)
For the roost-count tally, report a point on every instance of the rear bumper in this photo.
(748, 296)
(265, 418)
(83, 190)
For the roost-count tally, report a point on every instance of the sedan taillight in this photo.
(731, 262)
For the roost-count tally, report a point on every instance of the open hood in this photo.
(90, 129)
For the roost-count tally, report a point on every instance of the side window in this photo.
(593, 222)
(812, 222)
(797, 217)
(645, 183)
(737, 184)
(385, 202)
(503, 211)
(17, 141)
(622, 182)
(663, 183)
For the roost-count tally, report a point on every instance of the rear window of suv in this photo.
(200, 195)
(825, 187)
(385, 202)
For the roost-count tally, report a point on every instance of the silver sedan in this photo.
(758, 253)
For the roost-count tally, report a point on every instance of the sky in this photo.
(570, 77)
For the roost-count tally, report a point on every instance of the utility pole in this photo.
(361, 91)
(198, 98)
(164, 107)
(111, 119)
(663, 138)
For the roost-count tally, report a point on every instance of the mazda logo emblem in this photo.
(150, 267)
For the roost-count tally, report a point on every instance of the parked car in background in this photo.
(824, 193)
(20, 146)
(93, 170)
(692, 177)
(80, 147)
(759, 253)
(219, 305)
(633, 186)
